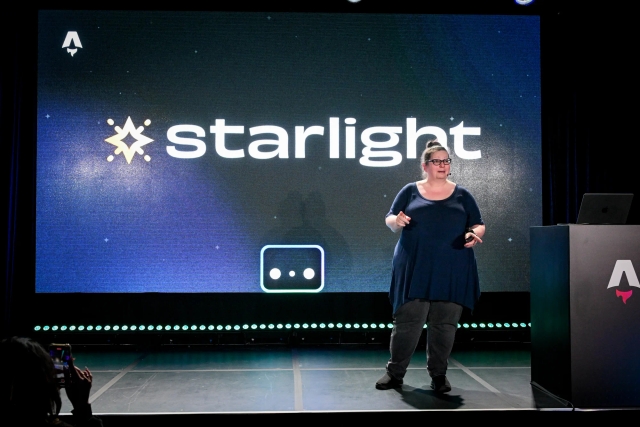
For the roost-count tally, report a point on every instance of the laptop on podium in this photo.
(604, 208)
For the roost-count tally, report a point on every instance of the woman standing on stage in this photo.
(434, 272)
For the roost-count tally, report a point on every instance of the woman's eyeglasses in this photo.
(438, 162)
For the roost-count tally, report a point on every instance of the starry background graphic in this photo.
(198, 225)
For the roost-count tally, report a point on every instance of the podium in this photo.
(585, 313)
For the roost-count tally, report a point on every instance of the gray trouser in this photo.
(441, 318)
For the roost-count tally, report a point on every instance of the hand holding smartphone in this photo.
(61, 356)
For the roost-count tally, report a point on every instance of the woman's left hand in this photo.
(473, 242)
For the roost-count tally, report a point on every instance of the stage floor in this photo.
(264, 379)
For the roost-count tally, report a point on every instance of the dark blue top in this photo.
(430, 260)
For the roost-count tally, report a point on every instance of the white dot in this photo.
(110, 159)
(292, 273)
(308, 273)
(147, 122)
(147, 158)
(110, 122)
(275, 273)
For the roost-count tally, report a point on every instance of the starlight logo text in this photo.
(378, 141)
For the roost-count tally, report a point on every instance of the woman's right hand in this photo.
(402, 220)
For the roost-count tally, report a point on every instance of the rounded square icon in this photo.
(292, 268)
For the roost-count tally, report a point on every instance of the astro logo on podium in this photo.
(292, 268)
(623, 266)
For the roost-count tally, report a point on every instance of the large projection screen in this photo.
(208, 152)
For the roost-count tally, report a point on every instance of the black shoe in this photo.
(440, 384)
(387, 382)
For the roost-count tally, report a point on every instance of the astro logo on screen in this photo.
(129, 131)
(623, 266)
(292, 268)
(72, 39)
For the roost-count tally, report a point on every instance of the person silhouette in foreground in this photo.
(30, 395)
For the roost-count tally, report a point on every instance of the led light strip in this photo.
(253, 327)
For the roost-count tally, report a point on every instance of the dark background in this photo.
(587, 107)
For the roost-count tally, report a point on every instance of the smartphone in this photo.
(61, 356)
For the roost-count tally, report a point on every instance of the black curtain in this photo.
(587, 107)
(588, 118)
(17, 135)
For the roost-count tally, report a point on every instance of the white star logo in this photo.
(121, 133)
